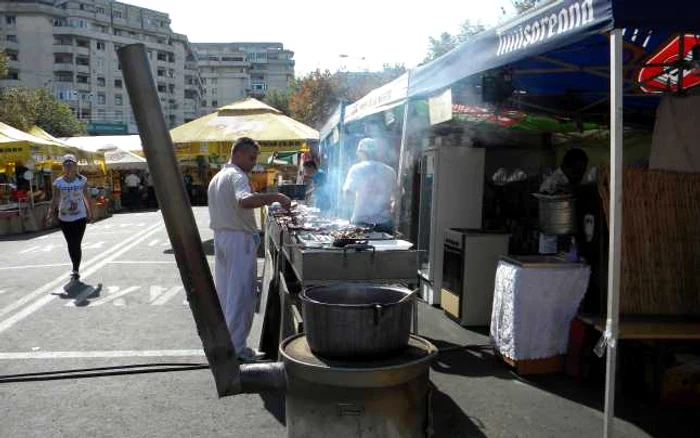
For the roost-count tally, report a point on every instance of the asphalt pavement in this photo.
(132, 316)
(133, 313)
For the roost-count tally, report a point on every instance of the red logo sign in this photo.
(660, 73)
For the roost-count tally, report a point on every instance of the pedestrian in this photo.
(69, 201)
(236, 240)
(152, 201)
(132, 189)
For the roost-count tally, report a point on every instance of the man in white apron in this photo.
(236, 238)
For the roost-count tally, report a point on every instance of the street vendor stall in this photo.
(121, 154)
(526, 92)
(30, 162)
(206, 142)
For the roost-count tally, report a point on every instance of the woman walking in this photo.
(70, 200)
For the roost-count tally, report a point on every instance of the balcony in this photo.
(11, 45)
(79, 68)
(63, 48)
(64, 67)
(82, 51)
(81, 86)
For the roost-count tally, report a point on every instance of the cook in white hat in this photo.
(373, 185)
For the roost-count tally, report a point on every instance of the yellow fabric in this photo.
(245, 118)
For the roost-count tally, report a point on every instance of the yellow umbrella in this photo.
(16, 145)
(247, 117)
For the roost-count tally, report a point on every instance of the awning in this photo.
(381, 99)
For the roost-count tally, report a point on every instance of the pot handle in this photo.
(378, 312)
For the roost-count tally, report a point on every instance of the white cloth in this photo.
(374, 185)
(533, 308)
(557, 182)
(132, 180)
(71, 205)
(675, 143)
(235, 264)
(226, 189)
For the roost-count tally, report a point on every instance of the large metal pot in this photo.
(557, 214)
(356, 320)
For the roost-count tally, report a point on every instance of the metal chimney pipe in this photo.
(179, 220)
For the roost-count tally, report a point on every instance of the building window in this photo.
(259, 86)
(101, 114)
(100, 64)
(82, 61)
(12, 38)
(203, 103)
(171, 73)
(214, 91)
(13, 75)
(171, 57)
(101, 81)
(119, 116)
(12, 56)
(214, 103)
(162, 88)
(82, 79)
(100, 46)
(117, 14)
(213, 81)
(161, 72)
(162, 56)
(118, 32)
(118, 100)
(171, 88)
(101, 99)
(117, 83)
(10, 20)
(82, 43)
(100, 10)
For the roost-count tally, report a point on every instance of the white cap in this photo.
(69, 157)
(368, 145)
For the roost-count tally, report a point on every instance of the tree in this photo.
(446, 42)
(524, 5)
(25, 107)
(278, 99)
(314, 97)
(3, 65)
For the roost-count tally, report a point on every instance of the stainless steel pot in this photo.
(356, 320)
(557, 214)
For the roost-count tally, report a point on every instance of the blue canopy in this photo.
(559, 54)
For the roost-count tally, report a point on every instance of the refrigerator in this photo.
(451, 196)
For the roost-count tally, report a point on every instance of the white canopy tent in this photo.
(121, 151)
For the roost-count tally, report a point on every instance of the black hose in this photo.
(477, 347)
(84, 373)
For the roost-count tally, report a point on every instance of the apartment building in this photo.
(230, 71)
(70, 47)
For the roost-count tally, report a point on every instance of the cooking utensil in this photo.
(356, 320)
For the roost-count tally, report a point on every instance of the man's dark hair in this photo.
(310, 163)
(573, 157)
(244, 143)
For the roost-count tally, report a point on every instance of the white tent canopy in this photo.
(121, 151)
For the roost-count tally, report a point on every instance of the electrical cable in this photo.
(81, 373)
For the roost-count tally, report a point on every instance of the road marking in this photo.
(113, 293)
(142, 262)
(41, 302)
(153, 242)
(164, 298)
(98, 354)
(30, 249)
(56, 282)
(51, 265)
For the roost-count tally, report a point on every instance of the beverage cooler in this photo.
(451, 196)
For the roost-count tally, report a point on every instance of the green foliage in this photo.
(279, 100)
(3, 65)
(314, 97)
(25, 107)
(524, 5)
(446, 41)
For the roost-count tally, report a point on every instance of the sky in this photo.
(319, 32)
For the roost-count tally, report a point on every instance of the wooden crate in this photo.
(524, 367)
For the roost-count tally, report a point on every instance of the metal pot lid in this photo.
(301, 362)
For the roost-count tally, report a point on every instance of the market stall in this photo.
(30, 162)
(514, 99)
(205, 143)
(121, 154)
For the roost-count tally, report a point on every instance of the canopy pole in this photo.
(402, 166)
(615, 242)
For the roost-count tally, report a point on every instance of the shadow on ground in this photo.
(81, 293)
